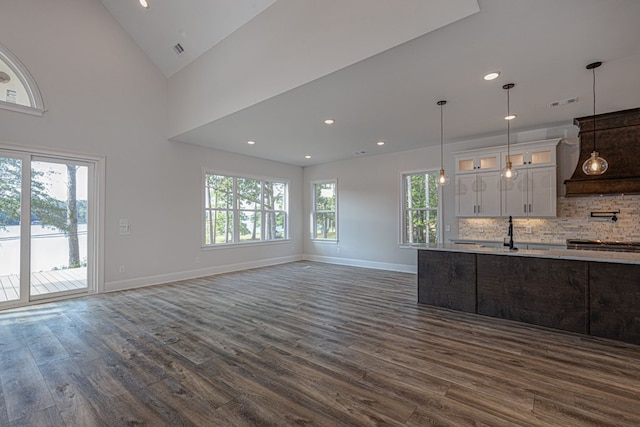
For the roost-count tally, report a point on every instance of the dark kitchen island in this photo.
(588, 292)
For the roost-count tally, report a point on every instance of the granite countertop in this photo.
(571, 254)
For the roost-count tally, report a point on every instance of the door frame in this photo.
(95, 228)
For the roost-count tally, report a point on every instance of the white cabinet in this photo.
(532, 194)
(480, 191)
(478, 194)
(478, 162)
(532, 155)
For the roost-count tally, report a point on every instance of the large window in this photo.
(325, 210)
(420, 212)
(241, 209)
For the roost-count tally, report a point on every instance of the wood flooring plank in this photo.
(301, 344)
(71, 393)
(48, 417)
(23, 386)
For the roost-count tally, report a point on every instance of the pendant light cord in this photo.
(594, 108)
(508, 124)
(441, 137)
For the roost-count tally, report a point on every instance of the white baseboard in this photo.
(402, 268)
(194, 274)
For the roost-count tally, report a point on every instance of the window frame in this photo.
(403, 208)
(314, 211)
(235, 210)
(35, 97)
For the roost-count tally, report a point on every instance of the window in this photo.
(18, 89)
(241, 210)
(325, 210)
(420, 213)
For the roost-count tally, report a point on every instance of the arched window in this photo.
(18, 90)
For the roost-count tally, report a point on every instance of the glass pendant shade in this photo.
(595, 165)
(443, 178)
(509, 173)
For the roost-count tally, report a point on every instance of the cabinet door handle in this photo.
(529, 207)
(478, 208)
(524, 207)
(474, 209)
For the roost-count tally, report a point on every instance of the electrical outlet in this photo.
(125, 228)
(527, 230)
(197, 260)
(481, 230)
(338, 250)
(447, 228)
(121, 269)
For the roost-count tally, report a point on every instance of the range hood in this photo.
(618, 141)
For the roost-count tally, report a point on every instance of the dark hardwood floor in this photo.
(301, 344)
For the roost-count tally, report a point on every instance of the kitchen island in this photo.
(588, 292)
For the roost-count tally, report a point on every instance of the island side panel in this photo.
(615, 301)
(447, 279)
(545, 292)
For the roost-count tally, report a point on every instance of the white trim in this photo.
(402, 268)
(97, 183)
(235, 176)
(35, 97)
(440, 209)
(312, 219)
(194, 274)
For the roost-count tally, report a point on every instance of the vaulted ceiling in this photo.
(542, 46)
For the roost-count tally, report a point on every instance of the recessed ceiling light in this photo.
(492, 76)
(511, 117)
(144, 3)
(307, 156)
(329, 122)
(380, 143)
(251, 142)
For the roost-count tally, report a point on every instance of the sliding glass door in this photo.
(47, 213)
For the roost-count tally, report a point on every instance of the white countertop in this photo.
(572, 254)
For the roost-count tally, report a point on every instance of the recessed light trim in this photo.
(510, 117)
(144, 3)
(307, 156)
(251, 142)
(329, 121)
(492, 75)
(380, 143)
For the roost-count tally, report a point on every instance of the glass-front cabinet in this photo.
(481, 192)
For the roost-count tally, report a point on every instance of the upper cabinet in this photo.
(480, 191)
(483, 162)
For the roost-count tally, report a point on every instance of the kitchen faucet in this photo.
(510, 234)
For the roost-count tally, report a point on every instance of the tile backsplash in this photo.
(573, 222)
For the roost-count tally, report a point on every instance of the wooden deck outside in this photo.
(44, 282)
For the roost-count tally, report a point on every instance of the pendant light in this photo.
(509, 173)
(443, 179)
(594, 165)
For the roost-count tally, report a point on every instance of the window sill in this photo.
(334, 241)
(244, 244)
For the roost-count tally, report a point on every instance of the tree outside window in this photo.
(325, 212)
(239, 209)
(420, 208)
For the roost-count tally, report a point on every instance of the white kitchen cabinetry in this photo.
(481, 192)
(534, 192)
(531, 194)
(478, 194)
(474, 162)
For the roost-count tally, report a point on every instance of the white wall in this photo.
(369, 198)
(369, 192)
(104, 97)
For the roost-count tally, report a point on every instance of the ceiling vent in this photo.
(564, 102)
(178, 49)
